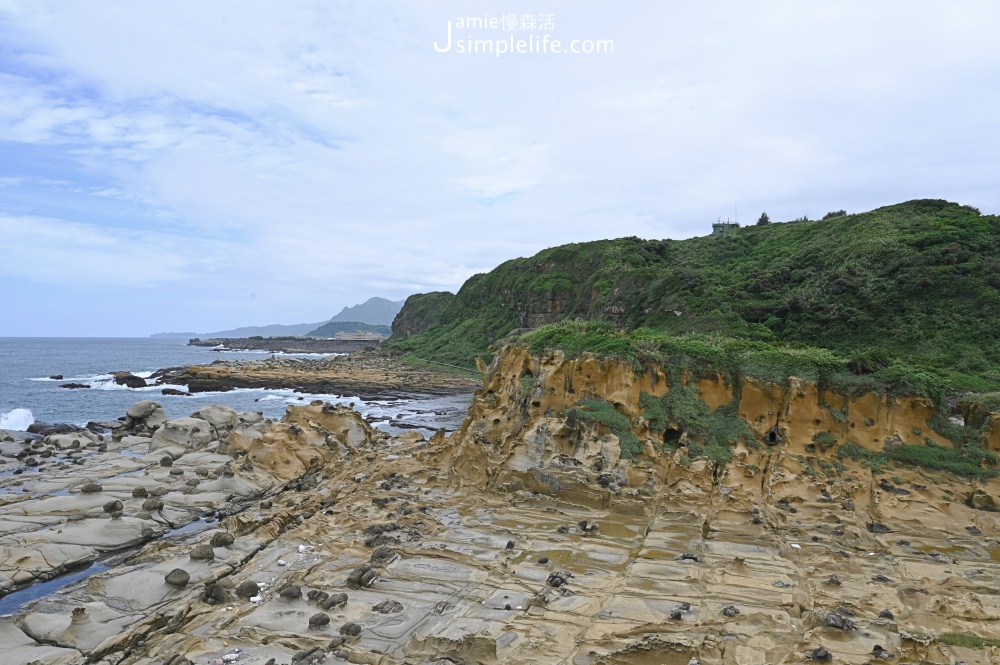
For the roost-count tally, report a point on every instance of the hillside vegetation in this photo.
(912, 283)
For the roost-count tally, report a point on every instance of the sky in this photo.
(193, 166)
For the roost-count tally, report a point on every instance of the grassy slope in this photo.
(915, 282)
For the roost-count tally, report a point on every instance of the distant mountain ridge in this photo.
(378, 312)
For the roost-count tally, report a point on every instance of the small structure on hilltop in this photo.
(359, 336)
(722, 227)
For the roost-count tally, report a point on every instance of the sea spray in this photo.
(17, 420)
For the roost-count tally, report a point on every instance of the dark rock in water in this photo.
(730, 611)
(834, 620)
(202, 553)
(336, 600)
(115, 506)
(290, 592)
(129, 380)
(222, 539)
(46, 429)
(178, 577)
(174, 391)
(821, 654)
(91, 488)
(388, 607)
(152, 505)
(75, 386)
(318, 621)
(247, 589)
(56, 377)
(350, 629)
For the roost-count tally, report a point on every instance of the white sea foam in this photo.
(17, 420)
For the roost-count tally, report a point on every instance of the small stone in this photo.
(833, 581)
(350, 629)
(543, 560)
(91, 488)
(202, 552)
(319, 621)
(834, 620)
(176, 472)
(222, 539)
(115, 506)
(177, 577)
(885, 614)
(139, 493)
(731, 611)
(821, 654)
(247, 589)
(290, 592)
(166, 460)
(388, 607)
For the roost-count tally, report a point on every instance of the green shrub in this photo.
(602, 412)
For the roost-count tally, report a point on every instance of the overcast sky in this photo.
(193, 166)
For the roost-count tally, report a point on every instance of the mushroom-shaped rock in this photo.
(152, 505)
(223, 539)
(139, 493)
(247, 589)
(202, 552)
(91, 488)
(166, 460)
(335, 601)
(319, 621)
(290, 592)
(115, 506)
(350, 630)
(177, 577)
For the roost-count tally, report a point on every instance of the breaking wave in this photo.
(17, 420)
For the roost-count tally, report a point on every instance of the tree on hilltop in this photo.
(764, 219)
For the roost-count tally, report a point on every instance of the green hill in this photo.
(915, 282)
(331, 328)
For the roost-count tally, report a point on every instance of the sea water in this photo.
(28, 394)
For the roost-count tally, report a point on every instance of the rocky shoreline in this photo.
(362, 375)
(527, 536)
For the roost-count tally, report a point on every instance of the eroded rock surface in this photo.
(528, 537)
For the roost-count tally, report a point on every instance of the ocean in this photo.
(27, 394)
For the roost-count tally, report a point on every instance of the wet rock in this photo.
(91, 488)
(175, 392)
(834, 620)
(319, 621)
(334, 601)
(247, 589)
(177, 577)
(222, 539)
(731, 611)
(115, 506)
(290, 592)
(129, 380)
(202, 553)
(75, 386)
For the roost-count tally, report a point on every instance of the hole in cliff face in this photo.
(536, 404)
(816, 422)
(671, 436)
(810, 448)
(496, 421)
(772, 438)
